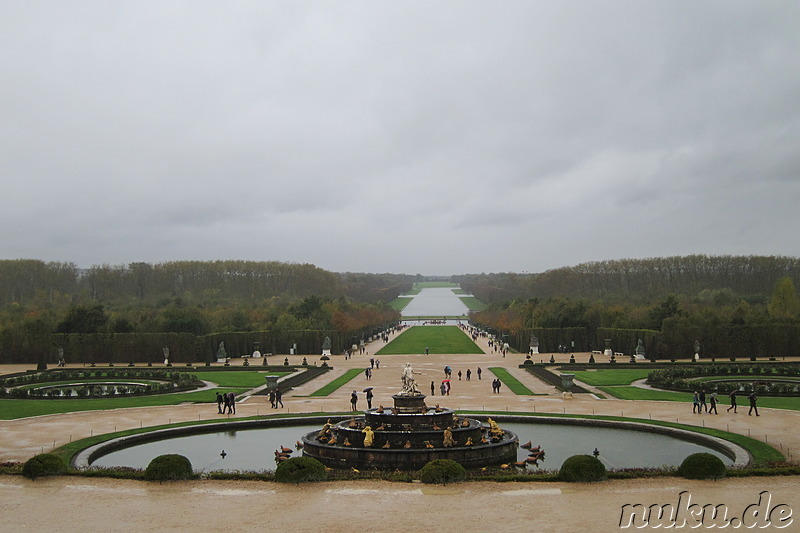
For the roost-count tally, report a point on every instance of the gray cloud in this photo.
(437, 138)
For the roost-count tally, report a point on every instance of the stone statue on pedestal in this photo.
(409, 383)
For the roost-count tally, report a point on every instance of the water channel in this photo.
(436, 302)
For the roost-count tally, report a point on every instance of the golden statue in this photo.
(448, 438)
(369, 435)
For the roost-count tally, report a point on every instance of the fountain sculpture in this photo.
(409, 435)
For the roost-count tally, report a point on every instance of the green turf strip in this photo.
(513, 384)
(338, 382)
(622, 376)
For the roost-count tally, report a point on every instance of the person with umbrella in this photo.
(354, 400)
(369, 395)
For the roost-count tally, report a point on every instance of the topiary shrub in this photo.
(45, 464)
(442, 471)
(702, 466)
(300, 470)
(170, 467)
(582, 468)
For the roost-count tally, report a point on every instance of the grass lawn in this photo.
(622, 376)
(398, 304)
(435, 284)
(438, 339)
(473, 303)
(338, 382)
(513, 384)
(236, 382)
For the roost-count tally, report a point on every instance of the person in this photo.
(433, 389)
(447, 385)
(377, 363)
(369, 398)
(469, 374)
(354, 401)
(459, 375)
(366, 373)
(278, 398)
(225, 404)
(479, 372)
(703, 404)
(231, 403)
(712, 400)
(696, 402)
(219, 403)
(732, 396)
(443, 388)
(372, 362)
(752, 397)
(272, 398)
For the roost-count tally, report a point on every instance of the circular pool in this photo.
(251, 445)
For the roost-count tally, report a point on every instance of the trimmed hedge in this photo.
(46, 464)
(702, 466)
(442, 471)
(582, 468)
(170, 467)
(300, 470)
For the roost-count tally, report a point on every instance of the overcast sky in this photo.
(432, 137)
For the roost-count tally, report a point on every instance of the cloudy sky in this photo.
(432, 137)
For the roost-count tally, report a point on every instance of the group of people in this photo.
(226, 403)
(275, 398)
(699, 404)
(368, 394)
(496, 384)
(752, 398)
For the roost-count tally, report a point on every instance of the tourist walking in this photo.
(703, 405)
(231, 403)
(479, 372)
(696, 402)
(369, 398)
(712, 400)
(732, 396)
(433, 389)
(272, 398)
(219, 403)
(752, 397)
(278, 398)
(469, 374)
(354, 401)
(459, 375)
(443, 388)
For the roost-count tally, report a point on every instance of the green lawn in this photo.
(338, 382)
(236, 382)
(434, 284)
(438, 339)
(398, 304)
(513, 384)
(622, 376)
(473, 303)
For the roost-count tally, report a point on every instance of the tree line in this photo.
(111, 312)
(749, 278)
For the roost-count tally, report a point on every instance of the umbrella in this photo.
(367, 389)
(445, 381)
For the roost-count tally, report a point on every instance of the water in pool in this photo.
(253, 449)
